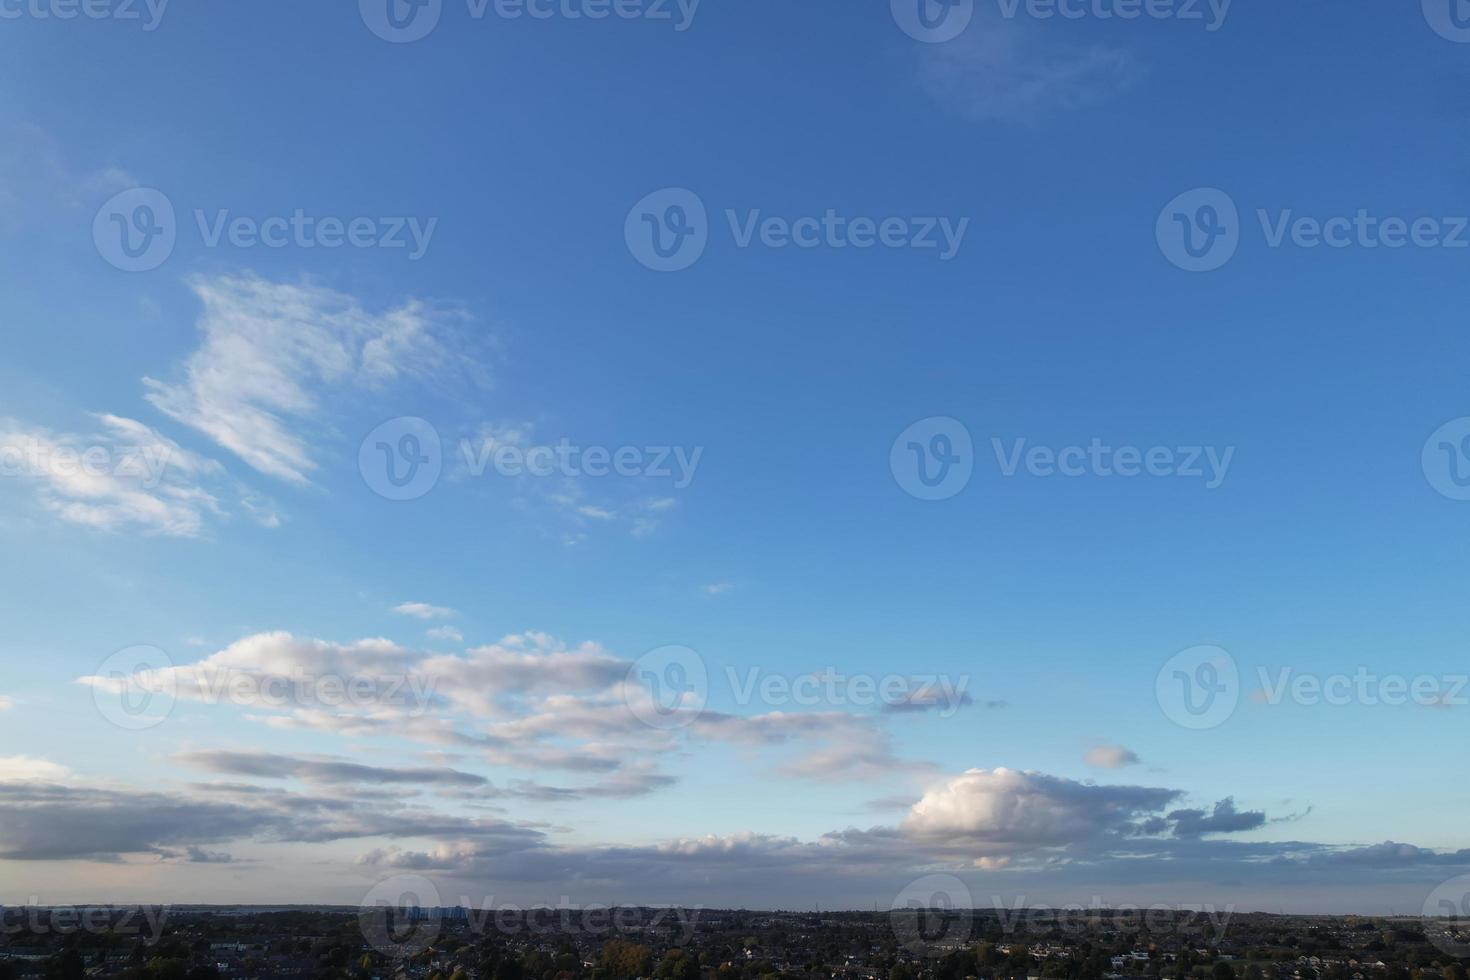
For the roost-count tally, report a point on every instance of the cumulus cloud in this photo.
(1110, 757)
(995, 812)
(124, 475)
(523, 664)
(280, 671)
(271, 354)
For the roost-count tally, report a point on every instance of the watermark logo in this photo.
(667, 688)
(1199, 230)
(667, 231)
(135, 688)
(1449, 18)
(931, 914)
(393, 919)
(932, 21)
(401, 21)
(1446, 917)
(402, 458)
(1198, 688)
(135, 231)
(933, 459)
(1445, 459)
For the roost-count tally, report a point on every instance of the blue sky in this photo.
(521, 148)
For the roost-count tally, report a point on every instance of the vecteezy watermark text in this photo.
(668, 688)
(565, 459)
(402, 915)
(148, 12)
(1159, 918)
(403, 458)
(1363, 687)
(144, 921)
(669, 230)
(301, 230)
(1211, 13)
(937, 21)
(136, 688)
(1200, 230)
(1098, 459)
(404, 21)
(934, 458)
(892, 692)
(31, 456)
(137, 230)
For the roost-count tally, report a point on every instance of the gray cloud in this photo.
(1223, 819)
(267, 765)
(1028, 832)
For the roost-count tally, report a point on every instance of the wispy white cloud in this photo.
(528, 701)
(37, 181)
(423, 610)
(1012, 71)
(578, 500)
(124, 475)
(270, 356)
(717, 588)
(447, 633)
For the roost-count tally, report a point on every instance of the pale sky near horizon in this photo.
(735, 453)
